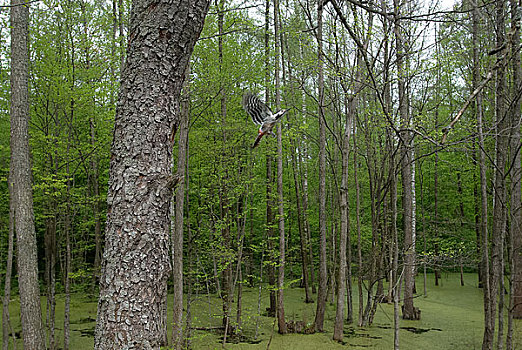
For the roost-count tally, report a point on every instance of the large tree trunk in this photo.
(136, 261)
(30, 309)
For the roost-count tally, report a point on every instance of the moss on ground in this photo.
(452, 318)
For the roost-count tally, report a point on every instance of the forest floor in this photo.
(452, 318)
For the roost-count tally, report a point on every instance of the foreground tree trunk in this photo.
(22, 194)
(136, 261)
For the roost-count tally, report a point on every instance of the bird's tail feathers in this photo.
(258, 138)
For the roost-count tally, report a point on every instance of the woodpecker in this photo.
(261, 115)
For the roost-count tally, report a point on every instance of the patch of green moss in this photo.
(452, 318)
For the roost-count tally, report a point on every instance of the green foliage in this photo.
(76, 54)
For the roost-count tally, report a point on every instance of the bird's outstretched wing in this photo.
(256, 109)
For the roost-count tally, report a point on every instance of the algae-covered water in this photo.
(452, 318)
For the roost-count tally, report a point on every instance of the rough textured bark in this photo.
(323, 278)
(136, 261)
(30, 309)
(177, 232)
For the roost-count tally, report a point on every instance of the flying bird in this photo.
(261, 115)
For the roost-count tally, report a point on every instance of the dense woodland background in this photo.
(400, 154)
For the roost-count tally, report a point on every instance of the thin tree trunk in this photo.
(302, 237)
(30, 309)
(323, 278)
(307, 224)
(260, 288)
(499, 188)
(191, 258)
(360, 274)
(121, 35)
(516, 172)
(436, 272)
(409, 311)
(487, 343)
(50, 275)
(396, 280)
(177, 232)
(224, 203)
(280, 204)
(341, 284)
(298, 200)
(269, 178)
(68, 257)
